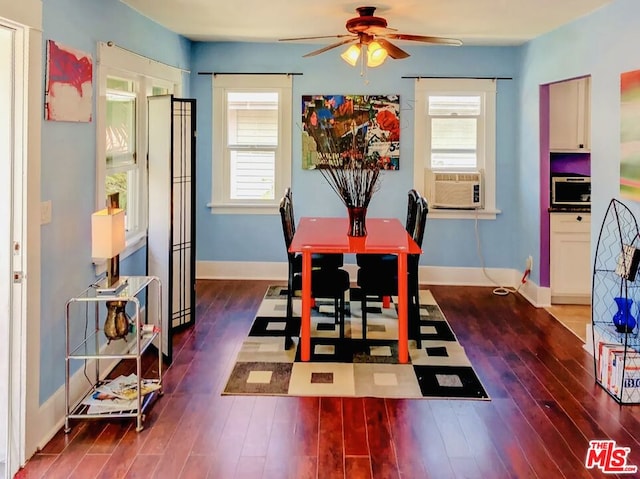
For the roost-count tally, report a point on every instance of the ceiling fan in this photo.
(370, 33)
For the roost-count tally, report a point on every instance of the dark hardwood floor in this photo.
(544, 409)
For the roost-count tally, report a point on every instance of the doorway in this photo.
(11, 249)
(565, 232)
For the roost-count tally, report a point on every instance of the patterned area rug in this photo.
(351, 367)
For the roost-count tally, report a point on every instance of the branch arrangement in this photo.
(355, 183)
(354, 177)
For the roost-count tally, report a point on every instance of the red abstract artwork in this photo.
(69, 86)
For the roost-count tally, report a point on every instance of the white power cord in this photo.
(499, 290)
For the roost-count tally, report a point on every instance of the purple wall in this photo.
(544, 186)
(579, 163)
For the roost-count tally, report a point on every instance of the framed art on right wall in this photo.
(630, 135)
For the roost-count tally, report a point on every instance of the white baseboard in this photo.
(241, 270)
(588, 345)
(273, 271)
(537, 295)
(571, 299)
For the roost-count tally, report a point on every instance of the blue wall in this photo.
(603, 45)
(448, 243)
(69, 165)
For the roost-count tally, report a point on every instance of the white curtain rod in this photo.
(248, 73)
(456, 78)
(111, 44)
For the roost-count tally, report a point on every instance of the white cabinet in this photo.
(570, 258)
(569, 116)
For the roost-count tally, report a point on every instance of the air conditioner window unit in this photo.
(456, 190)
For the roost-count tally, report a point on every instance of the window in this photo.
(121, 165)
(125, 80)
(251, 142)
(455, 132)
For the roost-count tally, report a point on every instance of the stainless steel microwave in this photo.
(570, 191)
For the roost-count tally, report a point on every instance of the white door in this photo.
(11, 223)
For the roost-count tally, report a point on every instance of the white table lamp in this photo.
(108, 240)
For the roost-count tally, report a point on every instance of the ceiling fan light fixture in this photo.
(369, 38)
(351, 55)
(376, 54)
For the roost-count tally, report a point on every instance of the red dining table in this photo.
(329, 235)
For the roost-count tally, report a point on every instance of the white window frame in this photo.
(146, 74)
(221, 202)
(135, 216)
(486, 88)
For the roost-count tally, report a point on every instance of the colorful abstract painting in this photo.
(336, 127)
(69, 88)
(630, 135)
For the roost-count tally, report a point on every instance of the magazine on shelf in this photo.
(626, 375)
(120, 394)
(126, 387)
(109, 406)
(605, 365)
(619, 371)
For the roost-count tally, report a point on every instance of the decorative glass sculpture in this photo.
(623, 319)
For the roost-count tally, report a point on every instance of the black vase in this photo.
(357, 221)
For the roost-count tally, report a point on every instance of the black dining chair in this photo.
(318, 260)
(326, 282)
(381, 279)
(388, 261)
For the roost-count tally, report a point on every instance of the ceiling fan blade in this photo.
(333, 45)
(374, 30)
(421, 38)
(393, 51)
(314, 38)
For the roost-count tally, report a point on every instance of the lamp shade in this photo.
(107, 233)
(376, 54)
(351, 55)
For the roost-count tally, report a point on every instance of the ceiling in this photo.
(475, 22)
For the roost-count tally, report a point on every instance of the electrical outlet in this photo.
(530, 263)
